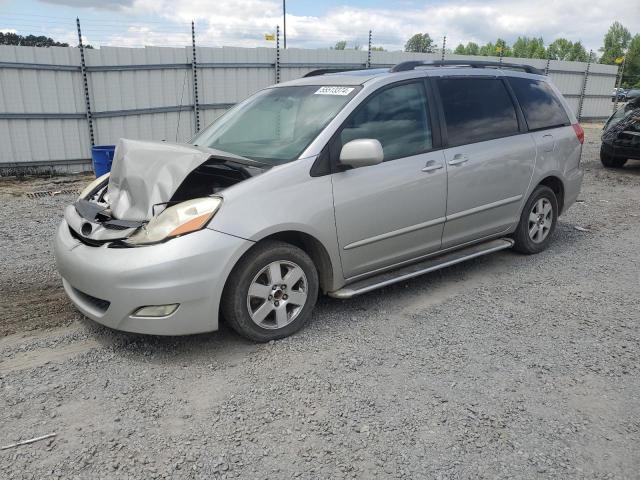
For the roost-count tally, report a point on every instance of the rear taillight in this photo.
(579, 132)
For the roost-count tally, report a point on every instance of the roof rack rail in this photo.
(322, 71)
(412, 64)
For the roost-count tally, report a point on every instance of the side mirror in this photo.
(361, 153)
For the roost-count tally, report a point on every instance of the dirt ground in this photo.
(507, 366)
(32, 297)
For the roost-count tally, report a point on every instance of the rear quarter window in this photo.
(476, 109)
(541, 108)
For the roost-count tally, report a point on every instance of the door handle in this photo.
(432, 166)
(458, 159)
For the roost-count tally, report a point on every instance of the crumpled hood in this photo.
(145, 173)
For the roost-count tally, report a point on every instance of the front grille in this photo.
(93, 303)
(52, 193)
(114, 226)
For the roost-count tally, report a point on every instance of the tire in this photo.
(533, 238)
(281, 277)
(609, 161)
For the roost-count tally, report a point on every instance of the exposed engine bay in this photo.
(146, 178)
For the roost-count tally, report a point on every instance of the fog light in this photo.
(156, 310)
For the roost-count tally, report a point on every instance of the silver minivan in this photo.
(339, 183)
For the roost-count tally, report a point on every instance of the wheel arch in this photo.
(312, 247)
(555, 183)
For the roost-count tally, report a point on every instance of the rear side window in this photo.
(540, 106)
(397, 117)
(476, 109)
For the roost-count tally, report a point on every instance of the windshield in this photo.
(275, 125)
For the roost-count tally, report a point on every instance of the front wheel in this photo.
(271, 292)
(609, 161)
(537, 222)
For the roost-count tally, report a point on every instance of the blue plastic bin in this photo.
(102, 156)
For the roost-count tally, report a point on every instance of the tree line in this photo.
(31, 40)
(619, 46)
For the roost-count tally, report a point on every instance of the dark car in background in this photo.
(619, 94)
(632, 94)
(621, 135)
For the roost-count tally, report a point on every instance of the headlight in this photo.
(185, 217)
(93, 185)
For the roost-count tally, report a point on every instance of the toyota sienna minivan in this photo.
(336, 183)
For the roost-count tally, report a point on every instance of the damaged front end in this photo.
(155, 191)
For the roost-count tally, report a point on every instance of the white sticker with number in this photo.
(334, 91)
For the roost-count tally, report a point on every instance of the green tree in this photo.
(493, 49)
(488, 49)
(460, 50)
(616, 41)
(377, 49)
(420, 42)
(525, 47)
(472, 49)
(578, 53)
(560, 49)
(340, 45)
(631, 74)
(29, 40)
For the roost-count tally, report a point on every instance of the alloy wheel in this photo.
(540, 220)
(277, 295)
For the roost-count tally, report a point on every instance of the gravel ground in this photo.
(507, 366)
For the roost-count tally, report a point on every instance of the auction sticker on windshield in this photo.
(334, 91)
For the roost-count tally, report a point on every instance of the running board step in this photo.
(417, 269)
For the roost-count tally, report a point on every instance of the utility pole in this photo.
(284, 24)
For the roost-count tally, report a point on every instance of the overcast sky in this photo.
(316, 24)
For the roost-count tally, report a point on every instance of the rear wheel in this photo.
(609, 161)
(271, 292)
(537, 222)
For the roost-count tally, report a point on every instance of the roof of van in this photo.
(359, 77)
(348, 77)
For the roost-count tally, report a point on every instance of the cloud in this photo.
(98, 4)
(244, 22)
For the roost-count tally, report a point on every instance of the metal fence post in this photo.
(278, 54)
(369, 52)
(194, 71)
(546, 67)
(584, 85)
(85, 82)
(444, 45)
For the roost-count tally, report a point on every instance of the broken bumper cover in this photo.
(109, 284)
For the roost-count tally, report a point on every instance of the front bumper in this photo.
(109, 284)
(621, 150)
